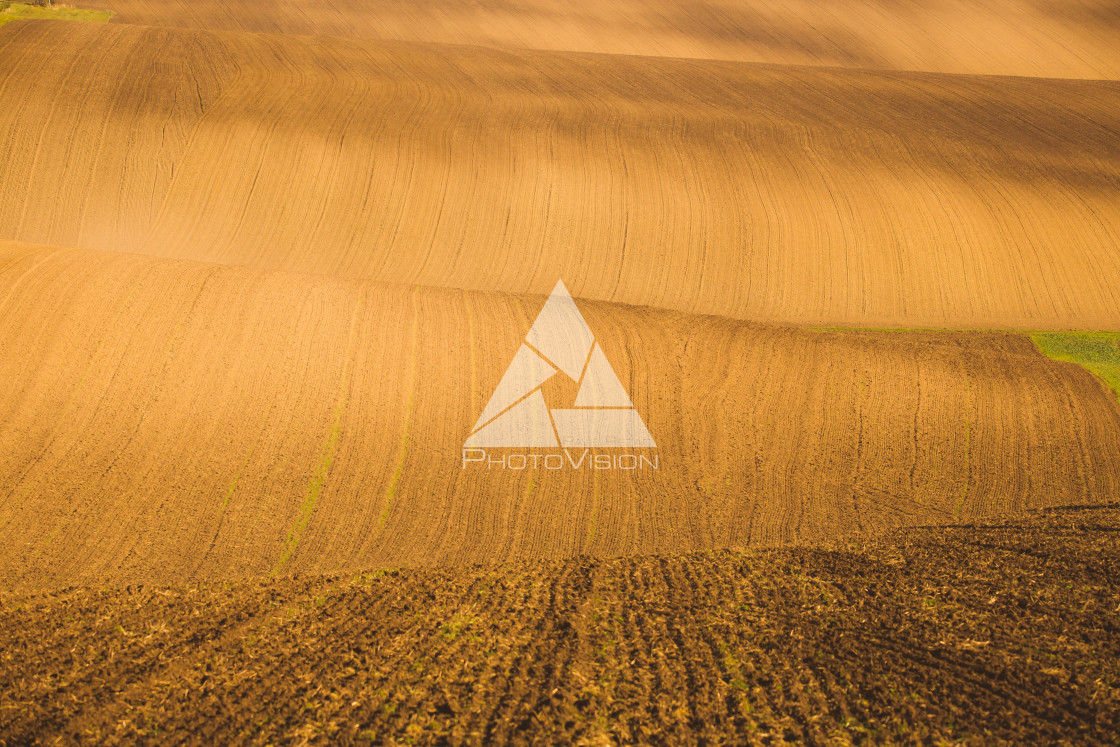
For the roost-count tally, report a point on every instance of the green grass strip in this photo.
(16, 11)
(327, 453)
(1099, 352)
(314, 488)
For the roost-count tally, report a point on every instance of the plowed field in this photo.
(1007, 632)
(756, 192)
(1047, 38)
(852, 265)
(182, 421)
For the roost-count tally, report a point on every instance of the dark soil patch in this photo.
(983, 634)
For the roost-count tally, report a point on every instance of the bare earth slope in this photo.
(1048, 38)
(756, 192)
(165, 420)
(1004, 633)
(255, 289)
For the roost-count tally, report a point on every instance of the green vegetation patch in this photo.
(1097, 351)
(14, 11)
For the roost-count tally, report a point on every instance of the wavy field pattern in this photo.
(754, 192)
(836, 300)
(181, 420)
(1047, 38)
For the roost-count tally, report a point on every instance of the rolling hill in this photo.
(777, 194)
(173, 421)
(1039, 38)
(855, 263)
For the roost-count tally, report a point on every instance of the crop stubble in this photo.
(1004, 632)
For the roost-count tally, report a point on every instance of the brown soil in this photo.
(767, 193)
(171, 421)
(1048, 38)
(255, 289)
(984, 633)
